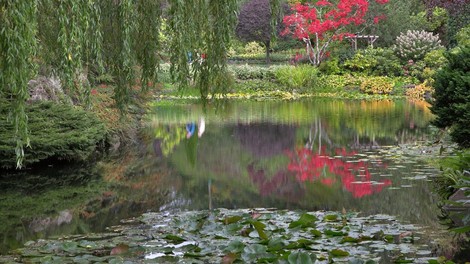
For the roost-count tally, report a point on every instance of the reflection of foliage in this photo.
(282, 184)
(35, 203)
(170, 137)
(265, 140)
(355, 176)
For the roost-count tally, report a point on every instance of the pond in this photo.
(319, 154)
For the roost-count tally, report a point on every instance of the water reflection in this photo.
(319, 154)
(311, 155)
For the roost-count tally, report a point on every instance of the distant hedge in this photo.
(57, 131)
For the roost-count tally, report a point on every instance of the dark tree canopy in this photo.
(458, 14)
(255, 23)
(452, 94)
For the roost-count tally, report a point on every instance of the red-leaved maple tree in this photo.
(320, 22)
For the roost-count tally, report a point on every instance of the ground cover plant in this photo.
(58, 131)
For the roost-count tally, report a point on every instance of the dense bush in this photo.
(424, 70)
(338, 82)
(330, 66)
(253, 48)
(463, 36)
(419, 91)
(57, 131)
(247, 72)
(452, 95)
(413, 45)
(377, 85)
(378, 62)
(273, 57)
(300, 77)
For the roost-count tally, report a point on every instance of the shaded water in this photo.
(310, 155)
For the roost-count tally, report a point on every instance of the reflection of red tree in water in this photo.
(355, 176)
(281, 184)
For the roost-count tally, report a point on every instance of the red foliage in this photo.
(324, 22)
(355, 176)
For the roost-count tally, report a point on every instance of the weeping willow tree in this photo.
(18, 27)
(73, 39)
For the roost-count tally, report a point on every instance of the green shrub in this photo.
(378, 62)
(249, 72)
(338, 82)
(419, 91)
(254, 48)
(463, 36)
(414, 44)
(377, 85)
(330, 66)
(425, 69)
(300, 77)
(361, 62)
(57, 131)
(261, 57)
(452, 95)
(435, 59)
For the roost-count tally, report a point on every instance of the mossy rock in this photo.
(57, 131)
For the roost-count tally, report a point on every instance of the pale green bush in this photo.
(414, 44)
(253, 48)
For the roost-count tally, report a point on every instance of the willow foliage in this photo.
(118, 37)
(17, 50)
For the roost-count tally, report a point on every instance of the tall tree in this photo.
(458, 14)
(320, 23)
(254, 23)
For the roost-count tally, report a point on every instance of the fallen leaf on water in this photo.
(229, 258)
(119, 249)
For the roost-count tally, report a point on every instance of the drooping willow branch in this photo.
(112, 36)
(17, 50)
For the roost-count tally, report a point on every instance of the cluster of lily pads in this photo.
(239, 236)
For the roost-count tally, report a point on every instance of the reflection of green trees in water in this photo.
(169, 137)
(243, 153)
(33, 202)
(63, 200)
(361, 120)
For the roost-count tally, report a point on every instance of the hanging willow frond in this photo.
(113, 36)
(276, 13)
(148, 44)
(201, 35)
(17, 50)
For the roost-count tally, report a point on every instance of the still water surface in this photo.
(309, 155)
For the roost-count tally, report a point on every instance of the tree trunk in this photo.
(268, 47)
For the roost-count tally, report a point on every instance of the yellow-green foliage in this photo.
(340, 81)
(303, 76)
(377, 85)
(253, 48)
(418, 92)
